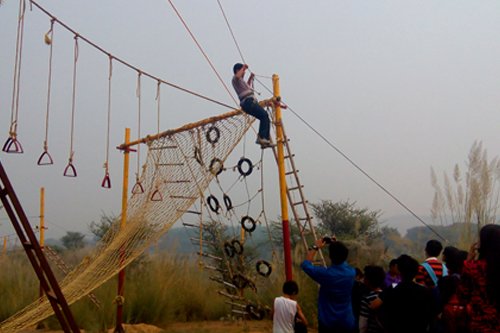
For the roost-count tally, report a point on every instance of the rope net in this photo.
(179, 167)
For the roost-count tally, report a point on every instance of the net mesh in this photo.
(179, 167)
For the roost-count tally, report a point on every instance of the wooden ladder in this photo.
(300, 207)
(48, 282)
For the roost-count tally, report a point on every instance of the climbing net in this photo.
(179, 167)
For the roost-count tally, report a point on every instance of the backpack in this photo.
(432, 274)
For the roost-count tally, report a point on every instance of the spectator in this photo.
(374, 281)
(392, 277)
(431, 269)
(409, 307)
(453, 313)
(336, 283)
(480, 283)
(286, 308)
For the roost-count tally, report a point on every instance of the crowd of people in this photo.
(458, 294)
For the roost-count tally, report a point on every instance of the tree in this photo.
(105, 224)
(347, 221)
(73, 240)
(473, 199)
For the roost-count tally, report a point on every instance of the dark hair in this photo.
(375, 276)
(489, 250)
(338, 253)
(290, 288)
(393, 262)
(408, 267)
(237, 67)
(454, 259)
(433, 248)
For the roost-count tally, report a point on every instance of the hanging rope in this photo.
(123, 62)
(202, 51)
(106, 182)
(12, 145)
(70, 170)
(138, 188)
(45, 158)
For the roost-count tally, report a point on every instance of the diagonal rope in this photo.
(202, 51)
(231, 31)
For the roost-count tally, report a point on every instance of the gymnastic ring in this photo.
(213, 203)
(244, 226)
(216, 163)
(240, 281)
(263, 268)
(237, 246)
(229, 249)
(228, 202)
(209, 137)
(240, 166)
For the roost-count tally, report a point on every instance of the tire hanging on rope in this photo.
(216, 166)
(264, 268)
(213, 203)
(229, 249)
(241, 169)
(216, 136)
(244, 225)
(227, 202)
(237, 246)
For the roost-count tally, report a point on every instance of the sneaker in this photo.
(264, 143)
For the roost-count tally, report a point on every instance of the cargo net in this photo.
(180, 165)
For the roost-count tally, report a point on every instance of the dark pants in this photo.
(325, 329)
(252, 107)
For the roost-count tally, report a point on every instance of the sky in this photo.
(397, 86)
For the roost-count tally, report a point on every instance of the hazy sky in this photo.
(398, 86)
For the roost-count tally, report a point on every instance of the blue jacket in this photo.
(334, 299)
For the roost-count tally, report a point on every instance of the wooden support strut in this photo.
(36, 257)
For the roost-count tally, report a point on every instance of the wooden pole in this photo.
(121, 275)
(280, 140)
(42, 226)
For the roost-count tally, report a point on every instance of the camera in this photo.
(329, 239)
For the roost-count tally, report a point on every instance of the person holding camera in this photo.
(336, 282)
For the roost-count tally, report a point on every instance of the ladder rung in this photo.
(239, 312)
(28, 244)
(291, 172)
(176, 181)
(209, 256)
(182, 197)
(3, 192)
(189, 211)
(214, 268)
(288, 156)
(170, 164)
(223, 293)
(298, 203)
(242, 306)
(163, 147)
(295, 188)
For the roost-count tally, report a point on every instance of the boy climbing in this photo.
(250, 105)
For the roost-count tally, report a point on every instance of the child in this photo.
(286, 308)
(374, 281)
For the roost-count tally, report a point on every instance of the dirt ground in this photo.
(263, 326)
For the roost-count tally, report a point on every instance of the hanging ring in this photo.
(228, 202)
(156, 196)
(106, 182)
(12, 146)
(237, 246)
(216, 136)
(216, 166)
(263, 268)
(138, 188)
(229, 249)
(249, 170)
(244, 225)
(45, 159)
(70, 170)
(213, 203)
(197, 155)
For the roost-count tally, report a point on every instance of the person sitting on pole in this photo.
(250, 105)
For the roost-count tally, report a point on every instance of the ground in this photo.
(263, 326)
